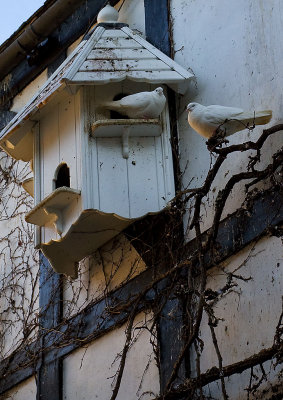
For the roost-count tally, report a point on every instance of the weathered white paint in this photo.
(60, 143)
(88, 372)
(138, 173)
(66, 121)
(123, 65)
(57, 208)
(134, 179)
(124, 54)
(155, 69)
(234, 51)
(23, 391)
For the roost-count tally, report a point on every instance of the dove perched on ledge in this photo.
(213, 120)
(139, 105)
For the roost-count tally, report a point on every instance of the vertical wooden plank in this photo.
(50, 149)
(89, 185)
(49, 382)
(50, 145)
(78, 144)
(37, 178)
(113, 182)
(67, 138)
(160, 168)
(167, 138)
(143, 185)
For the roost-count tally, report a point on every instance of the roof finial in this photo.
(107, 14)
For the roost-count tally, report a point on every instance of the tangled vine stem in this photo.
(164, 249)
(222, 197)
(214, 374)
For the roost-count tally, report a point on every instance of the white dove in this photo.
(224, 121)
(139, 105)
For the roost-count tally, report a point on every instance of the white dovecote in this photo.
(95, 172)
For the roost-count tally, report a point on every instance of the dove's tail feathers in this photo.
(110, 105)
(99, 107)
(257, 118)
(246, 120)
(263, 117)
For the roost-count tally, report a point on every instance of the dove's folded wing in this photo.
(216, 115)
(137, 99)
(135, 103)
(132, 105)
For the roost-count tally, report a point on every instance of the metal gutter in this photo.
(35, 32)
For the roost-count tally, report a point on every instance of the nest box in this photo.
(95, 172)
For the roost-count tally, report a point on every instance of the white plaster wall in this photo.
(250, 311)
(23, 391)
(18, 261)
(112, 265)
(132, 13)
(236, 54)
(28, 92)
(88, 372)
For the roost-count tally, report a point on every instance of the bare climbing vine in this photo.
(18, 260)
(177, 276)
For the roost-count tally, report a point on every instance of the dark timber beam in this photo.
(5, 118)
(49, 374)
(170, 324)
(264, 217)
(157, 27)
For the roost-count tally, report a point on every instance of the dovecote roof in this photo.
(112, 53)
